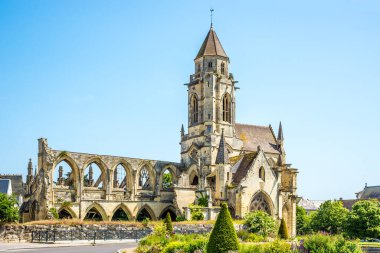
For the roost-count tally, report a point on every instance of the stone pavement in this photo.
(24, 246)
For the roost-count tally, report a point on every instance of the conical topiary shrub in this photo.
(223, 236)
(168, 223)
(283, 230)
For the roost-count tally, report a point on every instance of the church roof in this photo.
(253, 136)
(211, 45)
(241, 167)
(222, 155)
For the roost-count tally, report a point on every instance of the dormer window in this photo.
(210, 64)
(222, 68)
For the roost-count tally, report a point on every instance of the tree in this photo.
(330, 217)
(364, 219)
(283, 230)
(168, 223)
(223, 236)
(260, 222)
(302, 221)
(8, 208)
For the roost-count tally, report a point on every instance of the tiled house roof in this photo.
(241, 167)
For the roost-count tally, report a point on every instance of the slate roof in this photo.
(211, 46)
(253, 136)
(369, 192)
(241, 167)
(310, 205)
(5, 185)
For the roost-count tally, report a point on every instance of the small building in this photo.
(6, 186)
(368, 192)
(310, 205)
(16, 185)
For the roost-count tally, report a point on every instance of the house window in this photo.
(222, 68)
(194, 109)
(227, 108)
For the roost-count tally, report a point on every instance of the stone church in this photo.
(221, 160)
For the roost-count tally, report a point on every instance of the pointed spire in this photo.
(182, 131)
(280, 135)
(211, 45)
(222, 155)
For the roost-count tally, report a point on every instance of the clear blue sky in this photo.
(107, 77)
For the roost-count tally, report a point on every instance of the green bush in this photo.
(155, 243)
(330, 217)
(321, 243)
(196, 213)
(8, 208)
(246, 236)
(283, 230)
(223, 236)
(180, 218)
(302, 221)
(364, 220)
(168, 223)
(272, 247)
(54, 212)
(260, 222)
(145, 222)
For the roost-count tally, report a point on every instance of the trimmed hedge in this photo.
(283, 230)
(223, 236)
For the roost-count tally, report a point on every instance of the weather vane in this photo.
(211, 11)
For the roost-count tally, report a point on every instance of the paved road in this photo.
(100, 248)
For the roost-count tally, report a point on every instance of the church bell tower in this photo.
(211, 102)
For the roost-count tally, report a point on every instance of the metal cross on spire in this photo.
(211, 12)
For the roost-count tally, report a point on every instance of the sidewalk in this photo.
(4, 247)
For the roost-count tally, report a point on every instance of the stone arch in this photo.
(193, 175)
(96, 207)
(171, 210)
(147, 184)
(123, 208)
(287, 216)
(174, 179)
(64, 212)
(145, 212)
(128, 173)
(103, 169)
(64, 157)
(261, 201)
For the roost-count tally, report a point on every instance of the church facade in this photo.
(243, 165)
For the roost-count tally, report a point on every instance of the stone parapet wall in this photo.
(23, 233)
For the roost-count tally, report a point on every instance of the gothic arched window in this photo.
(227, 108)
(262, 174)
(194, 109)
(144, 179)
(222, 68)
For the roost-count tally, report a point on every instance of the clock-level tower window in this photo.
(210, 64)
